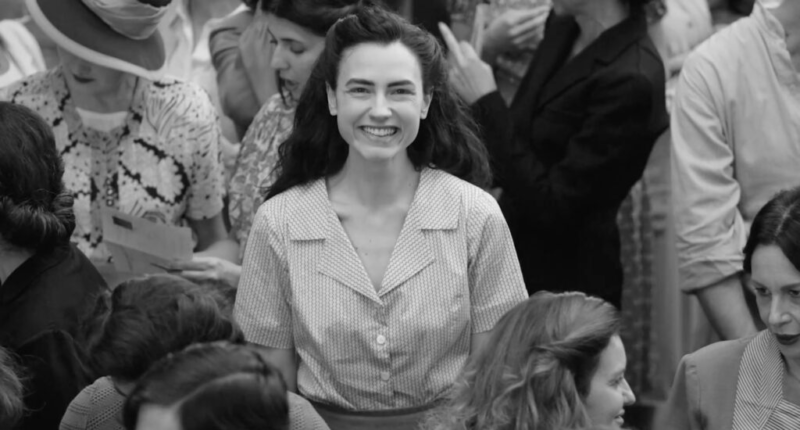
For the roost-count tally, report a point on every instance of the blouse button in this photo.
(385, 376)
(381, 339)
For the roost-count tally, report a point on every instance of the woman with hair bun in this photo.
(377, 257)
(554, 362)
(46, 283)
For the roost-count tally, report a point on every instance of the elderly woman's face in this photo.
(776, 284)
(87, 77)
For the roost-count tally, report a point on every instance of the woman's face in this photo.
(88, 78)
(295, 51)
(609, 392)
(154, 417)
(379, 100)
(776, 284)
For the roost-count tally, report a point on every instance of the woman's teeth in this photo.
(380, 131)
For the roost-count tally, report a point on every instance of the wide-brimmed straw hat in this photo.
(118, 34)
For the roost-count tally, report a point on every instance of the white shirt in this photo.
(736, 142)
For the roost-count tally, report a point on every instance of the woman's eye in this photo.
(794, 293)
(358, 90)
(761, 291)
(297, 51)
(273, 41)
(404, 91)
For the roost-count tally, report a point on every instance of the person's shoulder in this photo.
(30, 89)
(175, 94)
(274, 105)
(280, 209)
(475, 200)
(725, 47)
(81, 267)
(720, 355)
(302, 415)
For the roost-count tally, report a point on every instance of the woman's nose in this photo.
(278, 61)
(627, 394)
(777, 311)
(380, 107)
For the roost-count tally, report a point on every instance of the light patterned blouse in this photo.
(161, 164)
(255, 166)
(453, 272)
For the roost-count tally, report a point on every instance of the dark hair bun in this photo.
(32, 226)
(35, 210)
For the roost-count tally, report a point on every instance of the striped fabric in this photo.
(453, 272)
(759, 392)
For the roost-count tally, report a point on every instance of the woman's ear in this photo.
(426, 104)
(331, 99)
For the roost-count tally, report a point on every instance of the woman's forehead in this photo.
(380, 64)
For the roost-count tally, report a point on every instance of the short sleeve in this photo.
(710, 229)
(77, 415)
(303, 416)
(262, 307)
(495, 277)
(202, 131)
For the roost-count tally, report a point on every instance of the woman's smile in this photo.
(380, 131)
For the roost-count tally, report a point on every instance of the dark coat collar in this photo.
(551, 73)
(30, 270)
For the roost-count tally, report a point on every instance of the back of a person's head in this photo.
(536, 369)
(35, 209)
(145, 319)
(317, 16)
(11, 391)
(217, 386)
(777, 223)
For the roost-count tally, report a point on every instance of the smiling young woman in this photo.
(553, 362)
(766, 393)
(376, 258)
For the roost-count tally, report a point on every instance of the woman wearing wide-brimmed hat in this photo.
(131, 140)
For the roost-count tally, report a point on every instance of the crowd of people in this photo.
(404, 214)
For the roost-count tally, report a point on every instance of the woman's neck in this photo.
(10, 260)
(118, 98)
(597, 18)
(376, 184)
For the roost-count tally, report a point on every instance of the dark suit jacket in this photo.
(576, 138)
(41, 306)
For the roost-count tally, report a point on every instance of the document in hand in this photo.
(141, 246)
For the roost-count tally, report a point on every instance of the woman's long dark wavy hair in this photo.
(447, 139)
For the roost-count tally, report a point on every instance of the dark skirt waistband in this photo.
(390, 419)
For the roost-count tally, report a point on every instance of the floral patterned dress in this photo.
(161, 164)
(255, 166)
